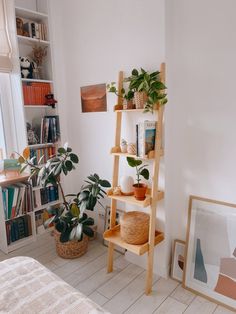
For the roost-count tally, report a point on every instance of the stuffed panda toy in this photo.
(26, 67)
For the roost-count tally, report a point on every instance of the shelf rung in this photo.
(114, 237)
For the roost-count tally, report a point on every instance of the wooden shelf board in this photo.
(13, 178)
(41, 145)
(30, 14)
(36, 209)
(38, 107)
(36, 81)
(132, 200)
(30, 41)
(131, 110)
(114, 237)
(134, 156)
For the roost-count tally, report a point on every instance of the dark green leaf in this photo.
(89, 221)
(104, 183)
(61, 150)
(134, 72)
(145, 174)
(65, 236)
(68, 165)
(74, 158)
(88, 231)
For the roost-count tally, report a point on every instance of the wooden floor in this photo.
(121, 291)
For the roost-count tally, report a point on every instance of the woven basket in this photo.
(134, 227)
(140, 99)
(70, 249)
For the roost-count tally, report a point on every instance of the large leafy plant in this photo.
(69, 219)
(140, 169)
(150, 83)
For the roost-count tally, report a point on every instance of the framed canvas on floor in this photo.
(210, 265)
(178, 259)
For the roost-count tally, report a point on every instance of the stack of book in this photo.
(46, 152)
(46, 195)
(34, 93)
(35, 30)
(18, 228)
(145, 137)
(50, 129)
(17, 200)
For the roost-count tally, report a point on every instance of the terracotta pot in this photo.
(140, 191)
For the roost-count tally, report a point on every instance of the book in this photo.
(146, 137)
(10, 201)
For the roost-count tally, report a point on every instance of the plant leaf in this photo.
(74, 158)
(88, 231)
(145, 173)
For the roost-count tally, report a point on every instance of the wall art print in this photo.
(93, 98)
(210, 267)
(178, 259)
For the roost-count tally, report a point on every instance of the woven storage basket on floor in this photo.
(70, 249)
(140, 99)
(134, 227)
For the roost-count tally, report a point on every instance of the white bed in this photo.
(28, 287)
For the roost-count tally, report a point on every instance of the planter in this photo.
(140, 191)
(134, 227)
(140, 99)
(70, 249)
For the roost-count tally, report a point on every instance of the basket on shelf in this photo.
(140, 99)
(71, 249)
(134, 227)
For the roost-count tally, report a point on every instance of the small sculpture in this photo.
(131, 149)
(31, 135)
(123, 146)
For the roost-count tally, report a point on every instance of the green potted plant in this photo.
(125, 95)
(147, 88)
(140, 189)
(72, 225)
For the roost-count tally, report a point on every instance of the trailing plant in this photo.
(69, 219)
(140, 170)
(150, 83)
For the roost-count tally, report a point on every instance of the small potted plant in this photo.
(147, 88)
(140, 189)
(72, 225)
(127, 96)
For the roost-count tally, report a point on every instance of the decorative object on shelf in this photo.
(178, 258)
(123, 146)
(38, 55)
(140, 189)
(131, 148)
(114, 191)
(94, 98)
(50, 101)
(126, 96)
(26, 67)
(31, 135)
(19, 26)
(126, 185)
(134, 227)
(9, 165)
(69, 219)
(145, 137)
(211, 250)
(148, 89)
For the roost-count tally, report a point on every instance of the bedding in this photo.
(28, 287)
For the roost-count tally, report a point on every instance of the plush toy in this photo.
(26, 67)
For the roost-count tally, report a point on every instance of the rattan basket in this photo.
(140, 99)
(134, 227)
(70, 249)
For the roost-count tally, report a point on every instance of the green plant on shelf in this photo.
(140, 170)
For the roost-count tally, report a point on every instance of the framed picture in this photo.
(119, 212)
(93, 98)
(210, 267)
(178, 258)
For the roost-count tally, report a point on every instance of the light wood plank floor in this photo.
(121, 291)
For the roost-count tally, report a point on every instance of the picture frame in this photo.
(178, 259)
(119, 212)
(210, 260)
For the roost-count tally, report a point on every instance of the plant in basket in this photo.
(140, 189)
(72, 225)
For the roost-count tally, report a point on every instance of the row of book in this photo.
(34, 93)
(18, 228)
(50, 129)
(46, 195)
(35, 30)
(46, 153)
(17, 200)
(145, 137)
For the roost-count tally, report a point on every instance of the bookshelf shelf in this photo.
(36, 209)
(42, 145)
(10, 179)
(37, 107)
(36, 81)
(29, 213)
(19, 243)
(30, 14)
(31, 41)
(114, 237)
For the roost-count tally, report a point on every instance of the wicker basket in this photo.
(70, 249)
(140, 99)
(134, 227)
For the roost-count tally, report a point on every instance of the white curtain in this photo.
(5, 44)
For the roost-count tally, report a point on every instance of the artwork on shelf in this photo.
(210, 268)
(93, 98)
(178, 260)
(119, 212)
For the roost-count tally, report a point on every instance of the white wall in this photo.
(93, 41)
(200, 116)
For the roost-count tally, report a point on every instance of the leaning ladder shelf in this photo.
(112, 235)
